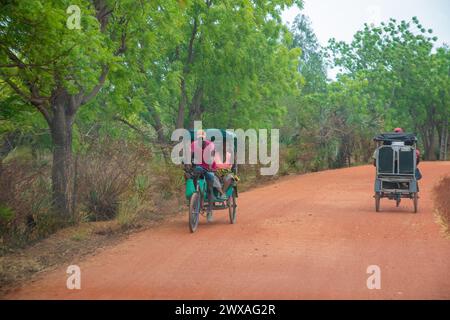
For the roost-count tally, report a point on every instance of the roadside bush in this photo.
(115, 179)
(25, 202)
(107, 173)
(131, 210)
(442, 203)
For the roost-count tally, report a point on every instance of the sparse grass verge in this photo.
(73, 243)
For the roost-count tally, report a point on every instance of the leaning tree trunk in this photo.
(157, 125)
(62, 169)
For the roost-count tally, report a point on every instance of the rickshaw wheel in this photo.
(232, 208)
(416, 202)
(377, 202)
(195, 206)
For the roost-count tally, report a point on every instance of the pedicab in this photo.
(396, 166)
(200, 197)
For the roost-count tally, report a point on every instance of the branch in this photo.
(141, 132)
(101, 81)
(16, 65)
(191, 42)
(132, 126)
(22, 65)
(37, 102)
(102, 13)
(14, 58)
(123, 44)
(17, 89)
(102, 16)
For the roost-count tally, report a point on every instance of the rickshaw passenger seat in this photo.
(386, 160)
(406, 161)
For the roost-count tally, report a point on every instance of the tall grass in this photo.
(115, 179)
(25, 202)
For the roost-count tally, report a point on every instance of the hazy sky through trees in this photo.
(341, 19)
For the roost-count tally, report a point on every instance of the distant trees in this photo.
(390, 76)
(408, 83)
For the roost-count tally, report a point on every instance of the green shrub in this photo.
(6, 214)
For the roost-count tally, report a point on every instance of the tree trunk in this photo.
(62, 171)
(190, 59)
(429, 143)
(446, 144)
(195, 111)
(443, 141)
(343, 156)
(181, 105)
(157, 125)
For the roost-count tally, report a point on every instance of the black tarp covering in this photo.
(391, 137)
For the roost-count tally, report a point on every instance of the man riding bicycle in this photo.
(206, 166)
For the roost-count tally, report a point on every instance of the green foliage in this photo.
(6, 214)
(407, 82)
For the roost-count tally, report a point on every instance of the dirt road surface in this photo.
(305, 237)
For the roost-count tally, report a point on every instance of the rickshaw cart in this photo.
(396, 165)
(202, 198)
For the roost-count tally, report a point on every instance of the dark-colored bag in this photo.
(418, 174)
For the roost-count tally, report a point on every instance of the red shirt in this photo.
(205, 154)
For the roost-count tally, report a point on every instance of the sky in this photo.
(341, 19)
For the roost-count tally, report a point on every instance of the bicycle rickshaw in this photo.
(202, 198)
(396, 165)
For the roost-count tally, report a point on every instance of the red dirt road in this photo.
(306, 237)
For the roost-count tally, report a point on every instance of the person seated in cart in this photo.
(224, 168)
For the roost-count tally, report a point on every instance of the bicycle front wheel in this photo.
(195, 206)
